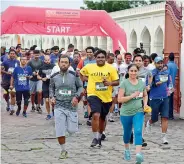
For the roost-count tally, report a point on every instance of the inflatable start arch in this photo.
(48, 21)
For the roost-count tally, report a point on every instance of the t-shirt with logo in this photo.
(21, 82)
(96, 76)
(35, 65)
(135, 105)
(45, 71)
(9, 66)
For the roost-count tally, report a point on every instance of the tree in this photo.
(110, 6)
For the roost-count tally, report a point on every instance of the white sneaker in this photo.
(164, 139)
(148, 127)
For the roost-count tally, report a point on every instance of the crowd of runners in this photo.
(130, 85)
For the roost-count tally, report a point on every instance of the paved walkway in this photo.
(32, 140)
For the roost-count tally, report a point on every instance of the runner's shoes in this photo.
(164, 139)
(39, 110)
(33, 109)
(7, 109)
(63, 155)
(103, 137)
(48, 117)
(139, 158)
(11, 112)
(24, 114)
(18, 112)
(127, 155)
(96, 142)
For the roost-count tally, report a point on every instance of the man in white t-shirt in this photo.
(70, 51)
(151, 66)
(127, 62)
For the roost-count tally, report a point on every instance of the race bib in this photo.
(163, 78)
(143, 79)
(140, 95)
(65, 92)
(11, 69)
(22, 78)
(100, 86)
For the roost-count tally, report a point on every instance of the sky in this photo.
(67, 4)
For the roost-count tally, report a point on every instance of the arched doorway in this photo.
(74, 42)
(28, 44)
(22, 43)
(52, 43)
(159, 39)
(133, 41)
(80, 44)
(67, 43)
(62, 43)
(57, 42)
(95, 41)
(88, 41)
(32, 43)
(146, 40)
(35, 42)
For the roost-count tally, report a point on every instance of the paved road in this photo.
(32, 141)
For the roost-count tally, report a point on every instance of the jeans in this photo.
(137, 122)
(171, 105)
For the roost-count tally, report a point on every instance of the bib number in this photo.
(11, 69)
(65, 92)
(100, 87)
(143, 79)
(163, 78)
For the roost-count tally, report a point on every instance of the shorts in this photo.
(25, 94)
(65, 120)
(97, 106)
(5, 85)
(159, 106)
(45, 94)
(35, 86)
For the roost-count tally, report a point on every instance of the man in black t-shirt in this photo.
(44, 75)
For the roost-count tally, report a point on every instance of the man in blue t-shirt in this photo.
(7, 69)
(20, 79)
(159, 101)
(173, 69)
(55, 55)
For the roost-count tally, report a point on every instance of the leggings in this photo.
(137, 122)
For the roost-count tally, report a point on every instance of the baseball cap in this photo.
(158, 59)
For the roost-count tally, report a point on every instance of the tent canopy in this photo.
(49, 21)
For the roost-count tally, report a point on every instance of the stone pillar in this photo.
(181, 76)
(109, 44)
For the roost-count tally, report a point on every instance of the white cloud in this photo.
(67, 4)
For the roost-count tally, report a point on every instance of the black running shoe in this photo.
(18, 112)
(88, 122)
(33, 109)
(99, 143)
(103, 137)
(39, 110)
(94, 142)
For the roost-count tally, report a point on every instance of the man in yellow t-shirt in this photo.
(101, 78)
